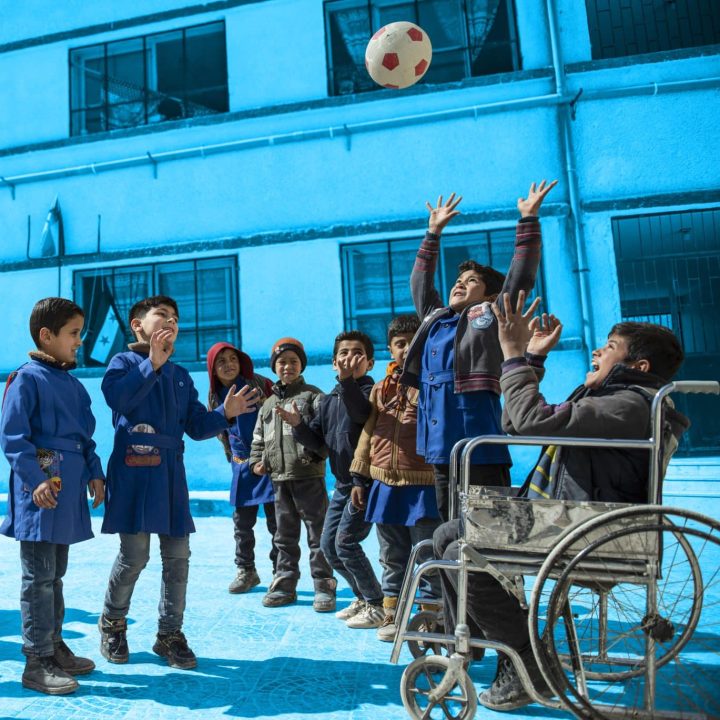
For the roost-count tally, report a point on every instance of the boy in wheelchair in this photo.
(613, 402)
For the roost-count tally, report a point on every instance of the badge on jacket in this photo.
(49, 461)
(481, 316)
(142, 455)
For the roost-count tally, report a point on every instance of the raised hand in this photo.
(291, 417)
(96, 490)
(161, 346)
(530, 206)
(347, 365)
(240, 402)
(546, 334)
(442, 214)
(515, 328)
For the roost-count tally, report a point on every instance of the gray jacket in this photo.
(618, 409)
(273, 442)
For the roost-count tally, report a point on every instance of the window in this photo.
(669, 273)
(376, 275)
(149, 79)
(469, 38)
(619, 28)
(205, 290)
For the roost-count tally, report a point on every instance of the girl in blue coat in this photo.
(228, 366)
(154, 403)
(46, 434)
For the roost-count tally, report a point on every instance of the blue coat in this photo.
(146, 485)
(247, 488)
(47, 408)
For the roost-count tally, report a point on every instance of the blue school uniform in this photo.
(401, 505)
(146, 484)
(247, 488)
(46, 408)
(444, 416)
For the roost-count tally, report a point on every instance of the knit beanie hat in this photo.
(288, 343)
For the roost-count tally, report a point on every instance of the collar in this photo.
(140, 347)
(46, 359)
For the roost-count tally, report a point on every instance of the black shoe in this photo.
(507, 691)
(174, 647)
(44, 675)
(279, 594)
(113, 640)
(66, 660)
(324, 600)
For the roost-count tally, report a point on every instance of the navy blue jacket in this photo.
(337, 426)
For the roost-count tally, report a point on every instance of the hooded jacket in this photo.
(618, 409)
(245, 423)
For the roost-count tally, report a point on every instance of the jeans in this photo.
(130, 562)
(244, 519)
(492, 612)
(299, 501)
(344, 529)
(396, 542)
(42, 607)
(490, 475)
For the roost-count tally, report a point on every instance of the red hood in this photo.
(246, 367)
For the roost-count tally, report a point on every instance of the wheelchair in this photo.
(624, 600)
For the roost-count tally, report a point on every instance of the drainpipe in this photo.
(563, 111)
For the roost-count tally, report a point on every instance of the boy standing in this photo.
(228, 366)
(154, 402)
(401, 500)
(337, 427)
(298, 477)
(613, 402)
(455, 357)
(46, 434)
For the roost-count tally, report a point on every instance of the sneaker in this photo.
(371, 616)
(45, 675)
(507, 691)
(113, 640)
(387, 631)
(351, 610)
(174, 647)
(247, 578)
(70, 663)
(324, 600)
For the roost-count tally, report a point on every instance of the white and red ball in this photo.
(398, 55)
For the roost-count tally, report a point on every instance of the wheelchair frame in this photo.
(561, 560)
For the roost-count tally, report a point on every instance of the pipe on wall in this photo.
(346, 131)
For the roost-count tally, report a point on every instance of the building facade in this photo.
(235, 155)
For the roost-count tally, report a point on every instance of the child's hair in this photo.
(361, 337)
(141, 308)
(493, 279)
(53, 313)
(654, 343)
(402, 324)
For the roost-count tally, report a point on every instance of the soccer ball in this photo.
(398, 55)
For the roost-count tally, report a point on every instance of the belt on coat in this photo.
(48, 442)
(167, 442)
(437, 377)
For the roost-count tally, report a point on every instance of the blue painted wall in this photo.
(286, 201)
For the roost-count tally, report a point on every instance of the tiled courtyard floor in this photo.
(288, 663)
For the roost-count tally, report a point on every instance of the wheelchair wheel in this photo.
(422, 676)
(430, 622)
(653, 649)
